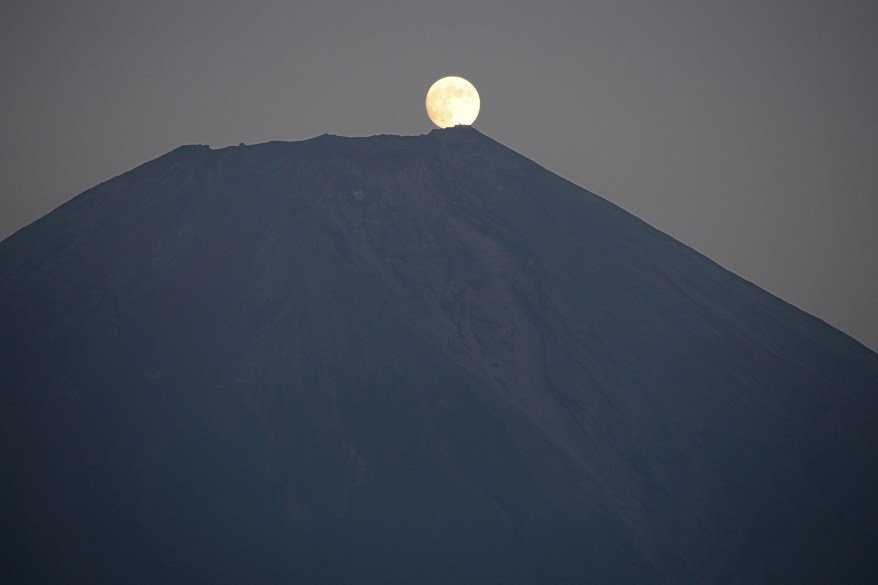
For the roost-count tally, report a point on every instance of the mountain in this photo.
(412, 360)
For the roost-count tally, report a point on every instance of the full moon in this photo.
(452, 101)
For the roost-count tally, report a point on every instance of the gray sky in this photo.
(747, 129)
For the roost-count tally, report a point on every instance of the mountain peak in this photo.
(412, 359)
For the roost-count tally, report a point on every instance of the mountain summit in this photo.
(412, 360)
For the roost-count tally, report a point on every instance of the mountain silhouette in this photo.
(412, 360)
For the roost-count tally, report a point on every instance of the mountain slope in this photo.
(398, 359)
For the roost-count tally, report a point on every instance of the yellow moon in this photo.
(452, 101)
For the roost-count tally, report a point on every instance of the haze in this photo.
(745, 129)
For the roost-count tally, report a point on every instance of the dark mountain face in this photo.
(412, 360)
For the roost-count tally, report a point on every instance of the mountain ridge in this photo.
(473, 132)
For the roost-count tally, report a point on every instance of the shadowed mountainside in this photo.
(412, 359)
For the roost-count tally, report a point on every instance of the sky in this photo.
(746, 129)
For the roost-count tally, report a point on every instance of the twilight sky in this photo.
(747, 129)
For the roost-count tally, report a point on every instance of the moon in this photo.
(452, 101)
